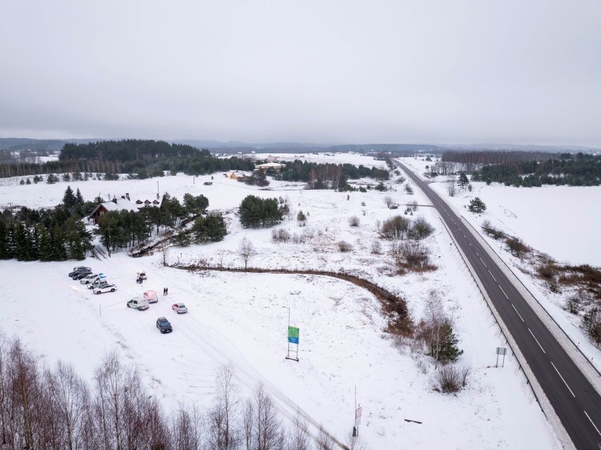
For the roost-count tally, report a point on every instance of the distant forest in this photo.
(529, 169)
(138, 158)
(327, 176)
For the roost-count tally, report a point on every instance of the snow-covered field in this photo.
(242, 318)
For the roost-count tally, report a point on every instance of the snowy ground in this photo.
(242, 319)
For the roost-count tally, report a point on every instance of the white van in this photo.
(151, 296)
(138, 303)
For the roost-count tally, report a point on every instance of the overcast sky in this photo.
(319, 71)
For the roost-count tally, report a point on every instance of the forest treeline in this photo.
(45, 407)
(327, 176)
(138, 158)
(529, 169)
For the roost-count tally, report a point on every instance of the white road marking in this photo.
(493, 277)
(564, 381)
(483, 263)
(589, 418)
(541, 347)
(519, 314)
(503, 291)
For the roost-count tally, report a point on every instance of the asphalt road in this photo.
(576, 402)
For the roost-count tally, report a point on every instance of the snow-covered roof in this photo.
(121, 204)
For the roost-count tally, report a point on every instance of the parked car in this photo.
(151, 296)
(97, 283)
(83, 273)
(104, 288)
(139, 303)
(88, 279)
(79, 269)
(142, 275)
(393, 207)
(164, 325)
(180, 308)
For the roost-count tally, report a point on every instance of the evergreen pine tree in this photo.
(44, 244)
(69, 199)
(477, 205)
(447, 344)
(3, 240)
(11, 243)
(22, 243)
(57, 238)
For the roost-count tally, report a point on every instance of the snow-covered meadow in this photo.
(242, 318)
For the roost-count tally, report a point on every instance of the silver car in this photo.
(104, 288)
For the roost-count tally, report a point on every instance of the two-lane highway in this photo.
(575, 401)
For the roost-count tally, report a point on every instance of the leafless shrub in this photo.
(408, 189)
(413, 255)
(376, 247)
(492, 231)
(298, 238)
(280, 235)
(308, 233)
(221, 254)
(450, 379)
(547, 271)
(353, 221)
(388, 201)
(246, 250)
(516, 246)
(413, 205)
(344, 247)
(573, 304)
(451, 187)
(395, 228)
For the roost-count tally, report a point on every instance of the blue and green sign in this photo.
(293, 333)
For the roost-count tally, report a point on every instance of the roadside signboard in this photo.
(293, 333)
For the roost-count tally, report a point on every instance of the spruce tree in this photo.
(447, 350)
(477, 205)
(44, 244)
(3, 240)
(69, 199)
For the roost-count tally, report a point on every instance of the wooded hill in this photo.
(138, 158)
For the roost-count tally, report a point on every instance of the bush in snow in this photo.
(450, 379)
(344, 246)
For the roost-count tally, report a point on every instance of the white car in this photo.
(180, 308)
(104, 288)
(89, 278)
(97, 283)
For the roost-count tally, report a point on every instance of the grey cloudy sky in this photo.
(321, 71)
